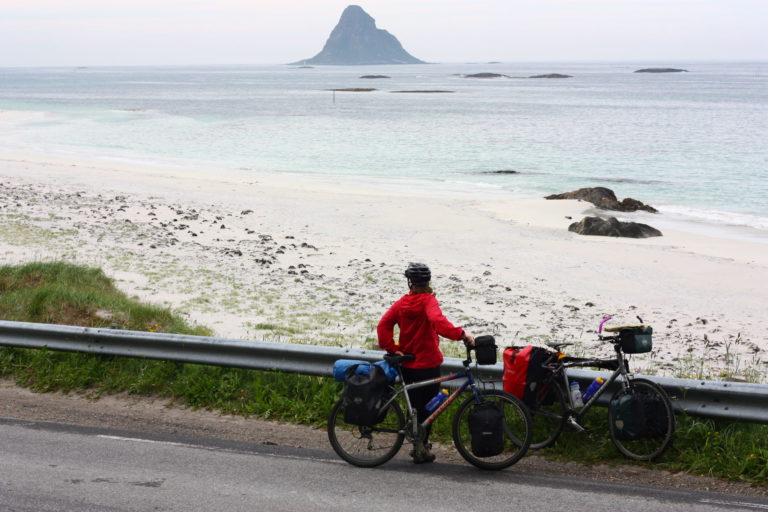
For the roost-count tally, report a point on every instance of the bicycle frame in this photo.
(621, 371)
(468, 383)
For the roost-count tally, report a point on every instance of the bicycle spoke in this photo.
(366, 446)
(658, 425)
(516, 427)
(548, 416)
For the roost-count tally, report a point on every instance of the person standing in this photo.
(421, 323)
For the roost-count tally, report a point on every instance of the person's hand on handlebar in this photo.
(468, 340)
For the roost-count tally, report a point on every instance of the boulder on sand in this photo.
(611, 226)
(605, 198)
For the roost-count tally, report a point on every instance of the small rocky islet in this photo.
(661, 70)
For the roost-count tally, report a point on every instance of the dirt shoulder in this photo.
(147, 414)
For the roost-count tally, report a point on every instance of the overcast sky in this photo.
(136, 32)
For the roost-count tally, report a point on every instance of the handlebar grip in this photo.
(600, 328)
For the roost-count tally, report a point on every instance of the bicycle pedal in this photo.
(572, 422)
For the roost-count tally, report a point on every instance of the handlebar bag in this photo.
(485, 350)
(486, 429)
(636, 340)
(524, 372)
(364, 395)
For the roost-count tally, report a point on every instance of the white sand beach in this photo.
(310, 259)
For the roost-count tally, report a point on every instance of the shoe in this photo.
(421, 454)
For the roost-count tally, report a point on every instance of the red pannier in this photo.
(523, 371)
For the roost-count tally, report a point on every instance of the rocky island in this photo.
(661, 70)
(356, 41)
(551, 75)
(486, 75)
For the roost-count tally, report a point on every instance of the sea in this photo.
(693, 144)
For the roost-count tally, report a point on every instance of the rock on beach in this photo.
(611, 226)
(605, 199)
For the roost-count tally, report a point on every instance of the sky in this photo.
(244, 32)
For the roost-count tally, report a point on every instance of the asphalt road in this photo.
(57, 467)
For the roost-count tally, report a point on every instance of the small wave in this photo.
(598, 179)
(732, 219)
(635, 181)
(20, 115)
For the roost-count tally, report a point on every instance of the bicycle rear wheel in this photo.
(366, 446)
(548, 415)
(656, 431)
(516, 427)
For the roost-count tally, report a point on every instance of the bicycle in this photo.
(552, 407)
(370, 446)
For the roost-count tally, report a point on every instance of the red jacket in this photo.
(420, 321)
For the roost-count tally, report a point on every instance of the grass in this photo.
(75, 295)
(706, 447)
(69, 294)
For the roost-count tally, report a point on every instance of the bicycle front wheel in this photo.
(515, 428)
(641, 429)
(366, 447)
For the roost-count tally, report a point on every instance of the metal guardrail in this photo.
(731, 400)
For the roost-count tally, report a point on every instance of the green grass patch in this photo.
(706, 447)
(67, 294)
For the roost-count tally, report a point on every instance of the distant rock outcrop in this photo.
(356, 41)
(661, 70)
(486, 75)
(605, 198)
(551, 75)
(611, 226)
(374, 76)
(502, 171)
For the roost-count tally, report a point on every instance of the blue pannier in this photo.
(341, 366)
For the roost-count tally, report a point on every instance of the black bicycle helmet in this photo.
(418, 274)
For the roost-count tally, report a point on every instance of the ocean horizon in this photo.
(691, 144)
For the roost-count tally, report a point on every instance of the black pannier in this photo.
(485, 349)
(486, 429)
(639, 414)
(363, 395)
(636, 340)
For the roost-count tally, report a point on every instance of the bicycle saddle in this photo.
(396, 360)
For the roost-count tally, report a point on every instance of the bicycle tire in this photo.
(650, 448)
(366, 447)
(517, 430)
(548, 418)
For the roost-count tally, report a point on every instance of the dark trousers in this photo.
(420, 396)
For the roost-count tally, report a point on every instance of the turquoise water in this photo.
(694, 144)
